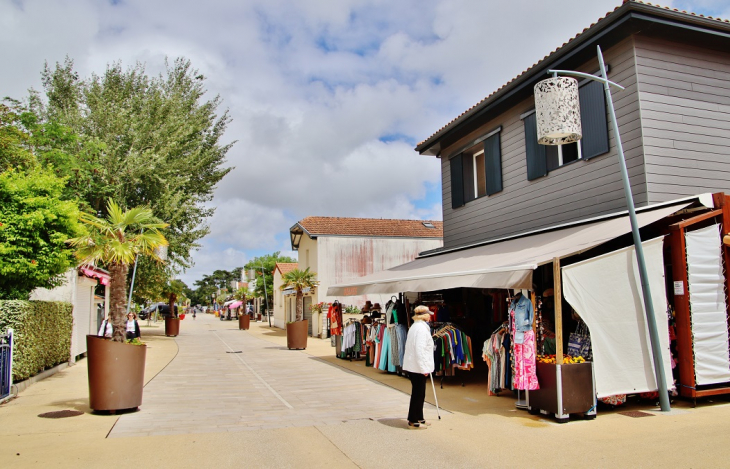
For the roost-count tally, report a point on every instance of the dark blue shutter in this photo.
(457, 181)
(593, 120)
(493, 164)
(468, 162)
(536, 161)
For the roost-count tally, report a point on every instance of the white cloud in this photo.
(327, 98)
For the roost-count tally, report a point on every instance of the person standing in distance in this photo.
(132, 326)
(418, 362)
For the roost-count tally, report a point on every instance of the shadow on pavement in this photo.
(394, 423)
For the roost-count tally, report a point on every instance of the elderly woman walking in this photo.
(418, 362)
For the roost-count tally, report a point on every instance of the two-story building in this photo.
(339, 249)
(516, 212)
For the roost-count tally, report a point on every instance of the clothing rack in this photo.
(441, 330)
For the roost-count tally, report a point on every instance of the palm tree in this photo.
(299, 279)
(241, 294)
(115, 241)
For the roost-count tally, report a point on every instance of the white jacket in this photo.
(418, 357)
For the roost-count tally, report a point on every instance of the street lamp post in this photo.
(645, 289)
(266, 296)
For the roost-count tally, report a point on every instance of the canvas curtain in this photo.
(707, 305)
(606, 292)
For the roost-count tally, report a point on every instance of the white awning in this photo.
(501, 264)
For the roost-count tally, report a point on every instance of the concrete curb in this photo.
(26, 383)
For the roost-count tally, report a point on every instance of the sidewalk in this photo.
(365, 427)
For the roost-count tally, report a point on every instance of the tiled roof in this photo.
(527, 72)
(286, 267)
(371, 227)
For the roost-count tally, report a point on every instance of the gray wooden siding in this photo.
(685, 108)
(578, 190)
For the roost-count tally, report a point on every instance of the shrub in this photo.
(42, 334)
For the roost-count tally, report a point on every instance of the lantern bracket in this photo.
(584, 75)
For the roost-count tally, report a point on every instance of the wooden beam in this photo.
(558, 300)
(691, 221)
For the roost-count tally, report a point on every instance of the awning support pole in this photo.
(558, 302)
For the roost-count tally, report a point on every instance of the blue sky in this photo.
(328, 98)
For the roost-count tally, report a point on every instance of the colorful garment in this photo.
(524, 356)
(334, 314)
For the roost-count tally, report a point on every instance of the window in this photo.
(476, 171)
(541, 159)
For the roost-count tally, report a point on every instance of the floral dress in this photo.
(524, 356)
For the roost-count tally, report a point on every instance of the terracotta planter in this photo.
(296, 334)
(172, 327)
(244, 322)
(116, 374)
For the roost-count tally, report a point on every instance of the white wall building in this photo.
(78, 289)
(280, 317)
(339, 249)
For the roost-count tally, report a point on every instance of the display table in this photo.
(564, 389)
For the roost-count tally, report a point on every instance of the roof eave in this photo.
(432, 145)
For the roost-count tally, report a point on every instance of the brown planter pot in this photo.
(116, 374)
(564, 389)
(296, 334)
(172, 327)
(244, 322)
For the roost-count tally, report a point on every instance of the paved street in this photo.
(271, 407)
(226, 380)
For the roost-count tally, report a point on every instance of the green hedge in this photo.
(41, 334)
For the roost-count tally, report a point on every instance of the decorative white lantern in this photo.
(557, 111)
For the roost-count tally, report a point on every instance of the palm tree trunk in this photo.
(172, 299)
(300, 304)
(117, 300)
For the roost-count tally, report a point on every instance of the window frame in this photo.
(465, 187)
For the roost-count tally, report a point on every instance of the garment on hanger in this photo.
(453, 350)
(493, 352)
(334, 314)
(523, 339)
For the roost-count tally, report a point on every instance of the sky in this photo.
(328, 97)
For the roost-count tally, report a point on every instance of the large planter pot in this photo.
(564, 389)
(296, 334)
(244, 322)
(116, 374)
(172, 327)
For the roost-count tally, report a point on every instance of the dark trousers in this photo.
(418, 395)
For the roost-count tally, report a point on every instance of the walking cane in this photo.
(434, 396)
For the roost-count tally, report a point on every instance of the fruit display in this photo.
(567, 359)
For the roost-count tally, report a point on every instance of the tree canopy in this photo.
(266, 264)
(143, 141)
(34, 225)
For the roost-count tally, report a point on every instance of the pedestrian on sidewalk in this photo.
(418, 362)
(106, 329)
(132, 326)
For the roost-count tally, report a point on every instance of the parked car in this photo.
(163, 311)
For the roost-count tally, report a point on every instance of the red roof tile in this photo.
(286, 267)
(382, 227)
(481, 103)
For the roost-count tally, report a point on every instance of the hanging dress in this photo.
(524, 356)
